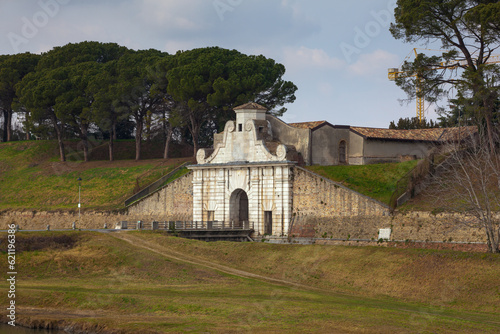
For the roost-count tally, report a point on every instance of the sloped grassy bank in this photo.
(31, 178)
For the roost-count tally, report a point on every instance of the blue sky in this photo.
(336, 52)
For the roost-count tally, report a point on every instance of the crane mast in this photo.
(394, 73)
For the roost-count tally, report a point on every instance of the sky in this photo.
(336, 52)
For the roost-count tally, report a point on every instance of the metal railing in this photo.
(185, 225)
(153, 186)
(407, 185)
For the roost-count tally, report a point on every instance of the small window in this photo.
(240, 127)
(261, 129)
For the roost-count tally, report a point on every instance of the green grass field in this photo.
(147, 282)
(32, 178)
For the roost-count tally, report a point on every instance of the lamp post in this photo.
(79, 191)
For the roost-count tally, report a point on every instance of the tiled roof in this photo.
(307, 125)
(437, 134)
(251, 106)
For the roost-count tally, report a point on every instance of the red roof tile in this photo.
(436, 134)
(307, 125)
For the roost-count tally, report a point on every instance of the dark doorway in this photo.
(239, 207)
(210, 216)
(342, 152)
(268, 222)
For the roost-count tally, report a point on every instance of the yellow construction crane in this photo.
(394, 73)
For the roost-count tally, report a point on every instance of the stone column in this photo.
(220, 213)
(254, 198)
(198, 195)
(278, 200)
(286, 199)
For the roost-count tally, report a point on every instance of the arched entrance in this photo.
(238, 207)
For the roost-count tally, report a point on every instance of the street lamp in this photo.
(79, 191)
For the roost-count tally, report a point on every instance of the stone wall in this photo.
(325, 209)
(325, 144)
(38, 220)
(173, 202)
(321, 209)
(321, 197)
(414, 226)
(289, 135)
(318, 201)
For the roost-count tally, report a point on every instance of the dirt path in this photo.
(177, 256)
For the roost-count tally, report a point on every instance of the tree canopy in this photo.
(207, 94)
(413, 123)
(468, 31)
(90, 87)
(13, 68)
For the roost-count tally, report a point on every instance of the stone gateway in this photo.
(247, 177)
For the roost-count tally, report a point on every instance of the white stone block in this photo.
(384, 234)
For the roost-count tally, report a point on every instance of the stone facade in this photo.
(242, 193)
(321, 143)
(246, 178)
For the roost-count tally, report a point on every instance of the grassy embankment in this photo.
(31, 177)
(101, 281)
(377, 181)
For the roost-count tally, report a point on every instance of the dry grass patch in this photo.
(115, 284)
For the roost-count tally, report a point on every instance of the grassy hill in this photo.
(31, 177)
(147, 282)
(377, 181)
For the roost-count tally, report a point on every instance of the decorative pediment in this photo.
(248, 139)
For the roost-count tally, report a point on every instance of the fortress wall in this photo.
(414, 226)
(314, 195)
(325, 209)
(173, 202)
(321, 209)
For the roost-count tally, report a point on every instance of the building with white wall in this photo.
(246, 177)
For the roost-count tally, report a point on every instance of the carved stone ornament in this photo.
(281, 152)
(201, 156)
(230, 126)
(249, 125)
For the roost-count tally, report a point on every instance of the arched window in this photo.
(342, 152)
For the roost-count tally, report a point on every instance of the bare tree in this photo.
(469, 182)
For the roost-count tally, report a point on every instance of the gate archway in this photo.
(238, 207)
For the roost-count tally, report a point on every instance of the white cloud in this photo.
(182, 15)
(375, 62)
(310, 58)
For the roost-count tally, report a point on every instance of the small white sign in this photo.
(384, 233)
